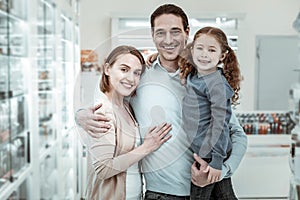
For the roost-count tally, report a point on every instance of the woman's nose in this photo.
(130, 76)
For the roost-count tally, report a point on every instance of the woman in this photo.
(113, 158)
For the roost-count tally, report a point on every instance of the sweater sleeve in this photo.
(239, 147)
(102, 150)
(219, 136)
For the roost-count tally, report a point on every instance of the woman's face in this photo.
(124, 74)
(206, 54)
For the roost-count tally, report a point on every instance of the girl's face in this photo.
(124, 74)
(206, 54)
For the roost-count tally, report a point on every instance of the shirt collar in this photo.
(156, 64)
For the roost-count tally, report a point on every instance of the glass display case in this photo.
(45, 76)
(65, 72)
(65, 78)
(39, 41)
(76, 49)
(48, 178)
(14, 67)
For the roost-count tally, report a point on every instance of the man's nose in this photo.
(168, 38)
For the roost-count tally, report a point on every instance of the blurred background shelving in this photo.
(39, 57)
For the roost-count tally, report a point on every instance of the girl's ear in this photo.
(106, 69)
(223, 56)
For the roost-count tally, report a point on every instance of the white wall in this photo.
(262, 17)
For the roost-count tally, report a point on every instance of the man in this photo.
(159, 97)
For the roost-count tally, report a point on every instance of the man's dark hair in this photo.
(170, 9)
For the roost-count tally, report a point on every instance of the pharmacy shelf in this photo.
(18, 179)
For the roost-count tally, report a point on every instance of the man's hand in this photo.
(92, 122)
(214, 175)
(200, 176)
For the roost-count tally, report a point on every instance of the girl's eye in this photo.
(124, 69)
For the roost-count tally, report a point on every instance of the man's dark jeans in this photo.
(222, 190)
(149, 195)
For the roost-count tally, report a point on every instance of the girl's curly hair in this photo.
(230, 63)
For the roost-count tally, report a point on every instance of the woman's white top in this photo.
(134, 178)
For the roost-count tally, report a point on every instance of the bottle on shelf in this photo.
(262, 123)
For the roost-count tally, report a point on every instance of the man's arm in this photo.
(239, 147)
(93, 123)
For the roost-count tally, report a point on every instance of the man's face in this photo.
(169, 37)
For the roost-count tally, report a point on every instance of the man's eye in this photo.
(137, 73)
(160, 33)
(177, 32)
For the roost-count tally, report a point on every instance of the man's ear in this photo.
(187, 31)
(106, 69)
(152, 35)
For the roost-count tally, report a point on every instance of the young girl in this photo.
(210, 68)
(113, 157)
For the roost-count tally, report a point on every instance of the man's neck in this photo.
(170, 66)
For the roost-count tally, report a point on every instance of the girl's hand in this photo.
(214, 175)
(151, 59)
(156, 136)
